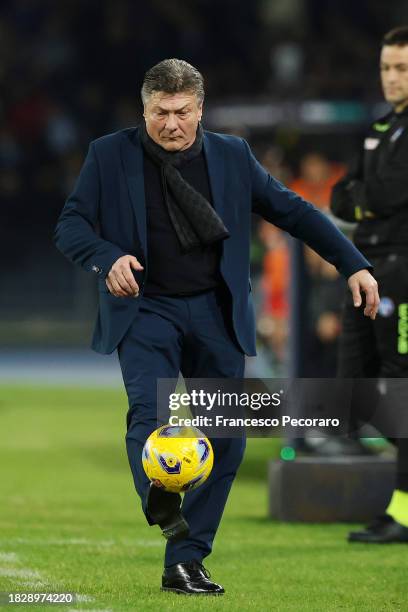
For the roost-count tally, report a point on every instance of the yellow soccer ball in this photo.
(177, 459)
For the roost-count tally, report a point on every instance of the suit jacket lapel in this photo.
(214, 155)
(132, 157)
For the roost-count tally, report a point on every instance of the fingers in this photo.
(127, 280)
(115, 288)
(120, 280)
(364, 281)
(355, 291)
(110, 286)
(119, 287)
(134, 263)
(372, 300)
(128, 288)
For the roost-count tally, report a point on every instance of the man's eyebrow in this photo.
(399, 65)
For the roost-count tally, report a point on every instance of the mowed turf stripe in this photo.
(24, 577)
(84, 542)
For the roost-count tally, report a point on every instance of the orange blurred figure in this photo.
(316, 179)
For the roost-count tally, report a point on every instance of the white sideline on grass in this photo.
(29, 578)
(142, 542)
(8, 557)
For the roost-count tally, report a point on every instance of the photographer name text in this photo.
(221, 421)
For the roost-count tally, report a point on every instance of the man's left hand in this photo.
(363, 281)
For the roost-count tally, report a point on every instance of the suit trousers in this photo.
(371, 349)
(192, 335)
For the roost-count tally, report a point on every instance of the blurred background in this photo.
(297, 78)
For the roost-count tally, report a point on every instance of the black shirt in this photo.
(378, 185)
(386, 180)
(170, 271)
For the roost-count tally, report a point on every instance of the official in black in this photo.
(375, 195)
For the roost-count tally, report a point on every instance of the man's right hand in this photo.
(120, 280)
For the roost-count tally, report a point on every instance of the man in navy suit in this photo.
(162, 215)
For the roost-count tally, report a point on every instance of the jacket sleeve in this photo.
(285, 209)
(75, 234)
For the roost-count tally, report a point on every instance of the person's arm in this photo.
(75, 234)
(76, 237)
(348, 197)
(285, 209)
(381, 194)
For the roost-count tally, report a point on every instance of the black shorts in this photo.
(378, 348)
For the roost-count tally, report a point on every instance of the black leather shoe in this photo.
(382, 530)
(163, 509)
(190, 578)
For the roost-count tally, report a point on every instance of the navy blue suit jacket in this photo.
(105, 218)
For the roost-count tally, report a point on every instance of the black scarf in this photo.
(194, 219)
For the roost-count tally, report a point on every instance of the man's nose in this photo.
(171, 123)
(392, 76)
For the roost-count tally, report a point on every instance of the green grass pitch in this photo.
(70, 521)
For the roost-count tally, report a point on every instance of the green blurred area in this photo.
(70, 521)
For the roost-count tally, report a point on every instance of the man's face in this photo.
(394, 75)
(172, 119)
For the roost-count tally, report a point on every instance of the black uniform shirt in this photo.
(380, 179)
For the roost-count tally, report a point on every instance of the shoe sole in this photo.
(181, 592)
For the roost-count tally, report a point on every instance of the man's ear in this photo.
(200, 111)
